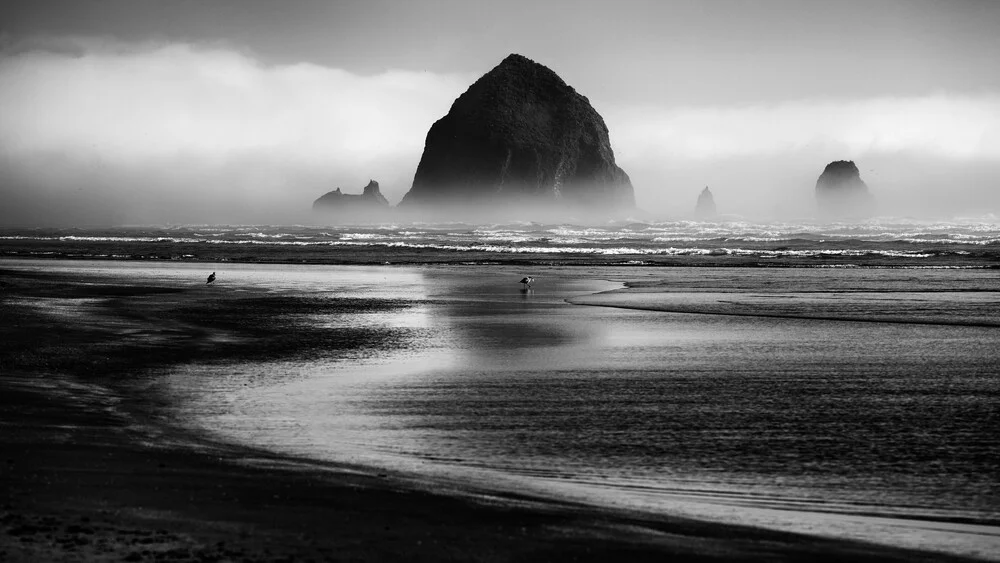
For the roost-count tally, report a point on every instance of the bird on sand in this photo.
(527, 281)
(211, 278)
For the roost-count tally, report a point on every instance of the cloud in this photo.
(156, 102)
(171, 109)
(175, 132)
(940, 126)
(920, 155)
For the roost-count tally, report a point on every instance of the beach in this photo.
(386, 412)
(532, 281)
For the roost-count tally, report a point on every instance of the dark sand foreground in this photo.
(93, 469)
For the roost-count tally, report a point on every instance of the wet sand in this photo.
(93, 467)
(931, 297)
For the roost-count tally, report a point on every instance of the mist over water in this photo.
(183, 133)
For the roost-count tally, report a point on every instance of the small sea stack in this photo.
(705, 208)
(370, 204)
(842, 194)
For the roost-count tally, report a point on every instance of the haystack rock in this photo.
(369, 201)
(520, 134)
(705, 208)
(841, 193)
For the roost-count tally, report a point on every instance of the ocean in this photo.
(885, 241)
(835, 379)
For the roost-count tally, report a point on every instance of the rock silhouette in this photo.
(370, 197)
(705, 208)
(520, 134)
(841, 193)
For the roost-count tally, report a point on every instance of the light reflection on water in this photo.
(654, 408)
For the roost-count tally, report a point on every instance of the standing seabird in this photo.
(211, 278)
(527, 281)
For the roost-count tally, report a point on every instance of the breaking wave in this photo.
(886, 238)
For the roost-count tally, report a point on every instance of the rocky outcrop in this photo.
(520, 134)
(705, 208)
(841, 193)
(371, 199)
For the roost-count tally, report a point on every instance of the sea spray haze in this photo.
(208, 134)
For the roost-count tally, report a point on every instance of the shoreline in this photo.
(478, 258)
(95, 472)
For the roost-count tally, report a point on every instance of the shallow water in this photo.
(859, 403)
(740, 418)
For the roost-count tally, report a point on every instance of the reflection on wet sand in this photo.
(779, 422)
(453, 379)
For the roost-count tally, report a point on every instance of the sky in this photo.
(245, 111)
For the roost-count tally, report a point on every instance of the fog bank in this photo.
(104, 132)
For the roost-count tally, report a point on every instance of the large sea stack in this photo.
(705, 208)
(841, 193)
(520, 135)
(370, 204)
